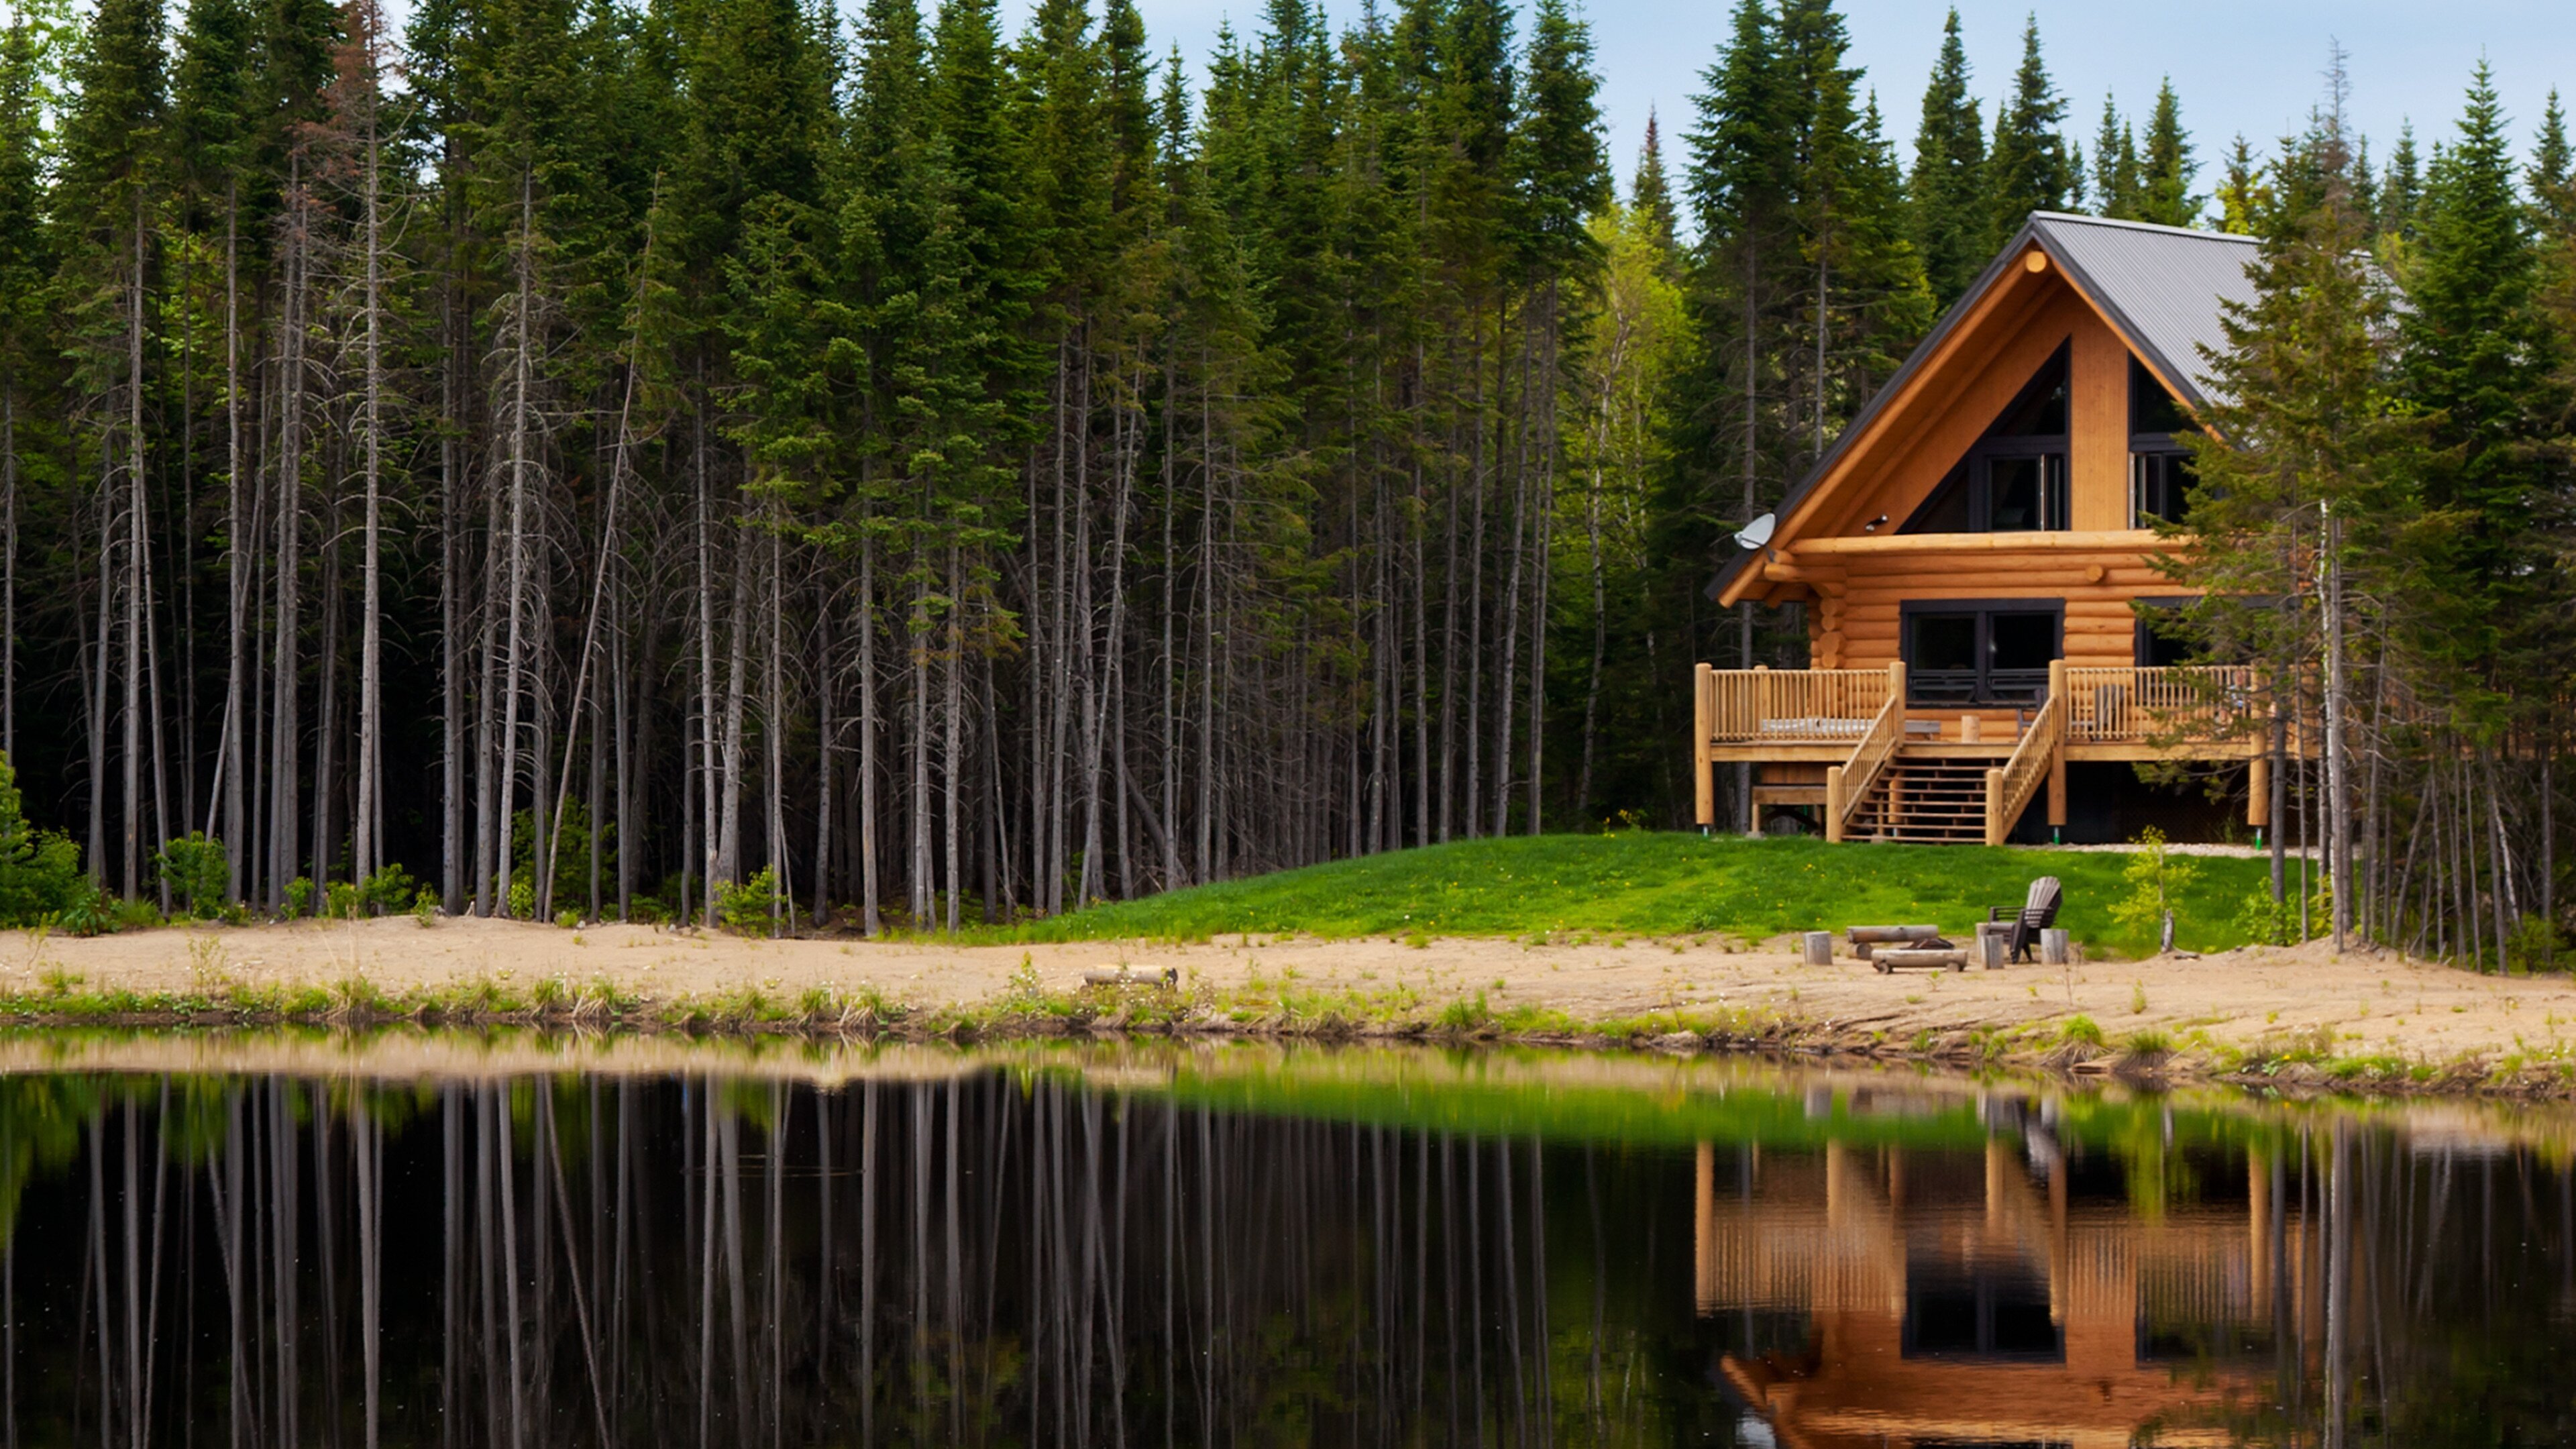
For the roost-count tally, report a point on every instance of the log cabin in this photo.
(1975, 559)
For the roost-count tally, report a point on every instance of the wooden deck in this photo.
(1860, 727)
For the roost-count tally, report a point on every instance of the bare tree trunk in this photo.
(9, 568)
(709, 854)
(953, 755)
(284, 761)
(519, 648)
(737, 683)
(369, 839)
(138, 563)
(451, 611)
(870, 888)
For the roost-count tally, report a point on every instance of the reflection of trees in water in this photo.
(1008, 1259)
(989, 1260)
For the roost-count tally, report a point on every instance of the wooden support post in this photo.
(1834, 803)
(1817, 948)
(1703, 728)
(2258, 793)
(2057, 791)
(1995, 823)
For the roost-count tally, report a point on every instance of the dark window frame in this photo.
(2143, 652)
(1984, 687)
(1973, 474)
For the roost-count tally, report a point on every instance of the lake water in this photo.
(527, 1242)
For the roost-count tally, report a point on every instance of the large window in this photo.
(1981, 651)
(2160, 476)
(2014, 479)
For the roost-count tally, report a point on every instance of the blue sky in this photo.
(2239, 65)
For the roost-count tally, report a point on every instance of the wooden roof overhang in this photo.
(2030, 272)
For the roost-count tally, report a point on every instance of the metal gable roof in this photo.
(2164, 288)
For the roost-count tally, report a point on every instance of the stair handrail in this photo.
(2009, 789)
(1847, 785)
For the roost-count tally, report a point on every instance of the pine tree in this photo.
(2116, 178)
(2244, 193)
(1650, 192)
(2027, 167)
(2552, 175)
(1951, 222)
(2166, 168)
(111, 187)
(2475, 361)
(2401, 189)
(26, 267)
(2306, 476)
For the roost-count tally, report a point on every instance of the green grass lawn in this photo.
(1666, 884)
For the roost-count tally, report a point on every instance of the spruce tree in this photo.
(27, 363)
(2476, 363)
(2401, 189)
(2166, 168)
(2027, 167)
(1946, 201)
(2244, 193)
(2116, 180)
(1650, 191)
(2552, 175)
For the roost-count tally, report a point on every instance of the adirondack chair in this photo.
(2038, 912)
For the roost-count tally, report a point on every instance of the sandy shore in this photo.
(2362, 1003)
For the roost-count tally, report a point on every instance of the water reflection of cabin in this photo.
(1970, 556)
(1957, 1301)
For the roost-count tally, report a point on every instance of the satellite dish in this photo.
(1756, 533)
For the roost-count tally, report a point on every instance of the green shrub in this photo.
(2082, 1031)
(389, 890)
(523, 900)
(40, 872)
(2535, 945)
(2155, 877)
(86, 909)
(196, 873)
(299, 898)
(343, 899)
(134, 915)
(2268, 922)
(751, 908)
(424, 907)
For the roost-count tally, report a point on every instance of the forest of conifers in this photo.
(578, 451)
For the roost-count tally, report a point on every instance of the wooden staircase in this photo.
(1891, 789)
(1924, 801)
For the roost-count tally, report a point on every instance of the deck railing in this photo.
(2009, 789)
(1792, 706)
(1847, 785)
(2145, 706)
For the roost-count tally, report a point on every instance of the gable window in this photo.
(1981, 651)
(2161, 481)
(2014, 479)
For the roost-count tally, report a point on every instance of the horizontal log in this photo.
(1127, 976)
(1859, 934)
(1952, 960)
(2129, 541)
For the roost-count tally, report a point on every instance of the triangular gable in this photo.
(2160, 290)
